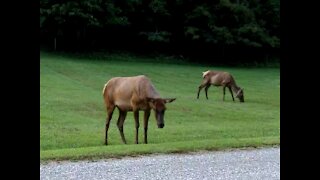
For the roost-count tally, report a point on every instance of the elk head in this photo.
(159, 107)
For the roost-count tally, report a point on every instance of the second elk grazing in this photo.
(133, 94)
(220, 78)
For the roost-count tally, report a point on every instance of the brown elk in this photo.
(133, 94)
(219, 78)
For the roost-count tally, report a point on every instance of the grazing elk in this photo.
(219, 78)
(133, 94)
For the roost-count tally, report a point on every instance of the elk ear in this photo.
(169, 100)
(150, 99)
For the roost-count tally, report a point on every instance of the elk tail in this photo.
(104, 89)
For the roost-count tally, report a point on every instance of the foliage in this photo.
(177, 25)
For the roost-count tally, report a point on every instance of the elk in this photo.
(220, 78)
(133, 94)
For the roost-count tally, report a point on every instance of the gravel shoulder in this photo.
(237, 164)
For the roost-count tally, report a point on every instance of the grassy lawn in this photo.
(72, 113)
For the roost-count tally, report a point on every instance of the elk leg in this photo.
(122, 117)
(200, 87)
(109, 117)
(136, 118)
(206, 90)
(224, 92)
(146, 119)
(231, 93)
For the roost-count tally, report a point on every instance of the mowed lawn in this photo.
(72, 112)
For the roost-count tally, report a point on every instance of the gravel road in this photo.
(232, 164)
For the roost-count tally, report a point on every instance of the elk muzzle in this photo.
(160, 125)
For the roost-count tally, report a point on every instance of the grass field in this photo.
(72, 113)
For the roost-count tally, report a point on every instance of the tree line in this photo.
(211, 30)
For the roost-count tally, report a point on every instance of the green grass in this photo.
(72, 113)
